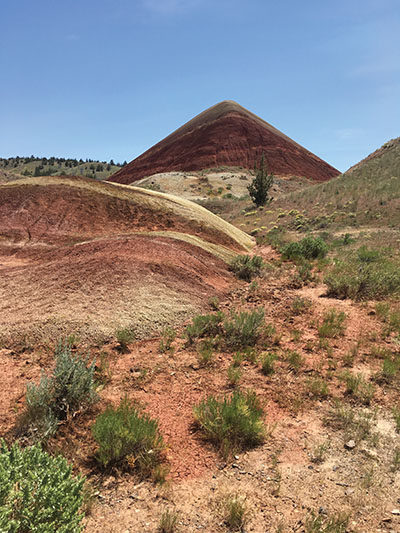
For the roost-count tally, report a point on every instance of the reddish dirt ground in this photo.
(279, 479)
(226, 135)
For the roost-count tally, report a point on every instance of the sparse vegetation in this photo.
(232, 423)
(300, 305)
(323, 524)
(38, 492)
(129, 438)
(333, 324)
(358, 387)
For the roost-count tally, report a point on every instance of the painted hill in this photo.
(91, 257)
(226, 135)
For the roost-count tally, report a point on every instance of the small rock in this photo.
(350, 445)
(396, 512)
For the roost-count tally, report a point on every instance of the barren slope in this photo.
(92, 257)
(226, 135)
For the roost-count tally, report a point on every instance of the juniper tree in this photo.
(261, 184)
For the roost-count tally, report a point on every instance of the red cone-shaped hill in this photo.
(226, 134)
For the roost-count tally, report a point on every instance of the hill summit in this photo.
(226, 134)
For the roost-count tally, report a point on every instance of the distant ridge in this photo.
(226, 134)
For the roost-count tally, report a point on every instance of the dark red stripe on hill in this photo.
(226, 135)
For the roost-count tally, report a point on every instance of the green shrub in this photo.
(308, 248)
(235, 512)
(233, 423)
(333, 324)
(243, 329)
(38, 492)
(128, 437)
(168, 337)
(125, 337)
(268, 363)
(246, 267)
(318, 388)
(358, 387)
(168, 521)
(204, 326)
(205, 352)
(70, 389)
(234, 375)
(300, 305)
(294, 360)
(365, 275)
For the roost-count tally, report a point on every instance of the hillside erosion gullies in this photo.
(226, 135)
(90, 257)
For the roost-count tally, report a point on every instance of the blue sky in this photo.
(109, 78)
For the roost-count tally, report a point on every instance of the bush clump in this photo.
(243, 329)
(128, 437)
(246, 267)
(204, 326)
(70, 389)
(38, 492)
(308, 248)
(364, 275)
(237, 330)
(233, 423)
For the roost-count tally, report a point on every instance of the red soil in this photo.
(226, 135)
(64, 214)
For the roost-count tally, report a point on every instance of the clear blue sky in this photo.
(109, 78)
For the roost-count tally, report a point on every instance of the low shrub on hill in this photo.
(237, 330)
(204, 326)
(38, 492)
(308, 248)
(70, 389)
(243, 329)
(128, 437)
(364, 275)
(246, 267)
(233, 423)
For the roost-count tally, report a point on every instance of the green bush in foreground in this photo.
(69, 389)
(128, 437)
(38, 492)
(308, 248)
(246, 267)
(233, 423)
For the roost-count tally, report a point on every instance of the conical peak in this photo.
(226, 134)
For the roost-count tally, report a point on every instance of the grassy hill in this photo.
(59, 166)
(367, 195)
